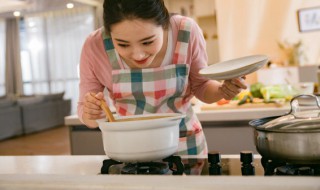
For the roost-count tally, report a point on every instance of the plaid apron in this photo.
(159, 90)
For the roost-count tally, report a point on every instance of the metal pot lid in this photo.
(299, 119)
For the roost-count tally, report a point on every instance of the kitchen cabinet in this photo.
(83, 140)
(204, 8)
(203, 12)
(229, 137)
(205, 15)
(192, 8)
(228, 130)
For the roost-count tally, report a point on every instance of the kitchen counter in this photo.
(81, 172)
(219, 115)
(238, 114)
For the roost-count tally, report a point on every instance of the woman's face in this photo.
(137, 41)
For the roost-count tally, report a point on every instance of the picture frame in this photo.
(309, 19)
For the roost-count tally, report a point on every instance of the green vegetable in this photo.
(255, 90)
(276, 91)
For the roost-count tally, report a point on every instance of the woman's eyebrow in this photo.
(147, 38)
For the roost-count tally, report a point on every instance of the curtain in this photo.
(53, 43)
(2, 58)
(13, 81)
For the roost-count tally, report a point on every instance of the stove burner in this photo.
(276, 167)
(171, 163)
(145, 168)
(300, 170)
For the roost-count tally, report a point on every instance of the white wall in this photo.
(255, 26)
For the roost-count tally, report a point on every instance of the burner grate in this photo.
(170, 165)
(145, 168)
(276, 167)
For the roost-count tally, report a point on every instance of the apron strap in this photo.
(180, 53)
(109, 48)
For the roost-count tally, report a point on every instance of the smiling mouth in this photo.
(142, 61)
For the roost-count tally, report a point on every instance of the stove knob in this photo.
(246, 157)
(214, 163)
(214, 157)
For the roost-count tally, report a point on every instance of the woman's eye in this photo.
(147, 43)
(123, 45)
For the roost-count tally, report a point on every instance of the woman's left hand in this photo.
(230, 88)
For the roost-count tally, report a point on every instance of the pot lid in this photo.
(299, 119)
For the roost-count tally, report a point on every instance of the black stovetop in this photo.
(219, 165)
(245, 164)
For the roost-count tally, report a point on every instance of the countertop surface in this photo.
(218, 115)
(80, 165)
(239, 114)
(66, 164)
(81, 172)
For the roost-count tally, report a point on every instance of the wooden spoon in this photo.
(110, 117)
(108, 112)
(141, 118)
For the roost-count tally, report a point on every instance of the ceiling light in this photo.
(70, 5)
(16, 13)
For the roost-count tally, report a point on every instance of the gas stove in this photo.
(214, 164)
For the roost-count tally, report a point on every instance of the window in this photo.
(2, 58)
(51, 44)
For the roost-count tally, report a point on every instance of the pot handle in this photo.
(294, 103)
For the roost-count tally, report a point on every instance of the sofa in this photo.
(10, 119)
(29, 114)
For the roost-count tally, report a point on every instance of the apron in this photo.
(159, 90)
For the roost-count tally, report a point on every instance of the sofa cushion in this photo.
(53, 97)
(30, 100)
(6, 102)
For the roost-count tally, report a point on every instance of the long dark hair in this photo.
(115, 11)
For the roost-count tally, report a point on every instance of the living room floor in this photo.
(53, 141)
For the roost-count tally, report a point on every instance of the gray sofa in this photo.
(31, 114)
(10, 119)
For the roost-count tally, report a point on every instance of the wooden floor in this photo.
(50, 142)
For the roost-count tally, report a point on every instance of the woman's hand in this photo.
(230, 88)
(91, 108)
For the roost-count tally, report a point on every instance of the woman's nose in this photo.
(138, 54)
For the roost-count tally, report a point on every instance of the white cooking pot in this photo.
(141, 140)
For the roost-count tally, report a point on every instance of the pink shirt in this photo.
(95, 69)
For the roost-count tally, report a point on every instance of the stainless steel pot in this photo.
(293, 137)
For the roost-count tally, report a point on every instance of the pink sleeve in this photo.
(95, 70)
(199, 60)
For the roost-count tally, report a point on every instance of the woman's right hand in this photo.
(91, 108)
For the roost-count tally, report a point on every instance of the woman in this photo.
(149, 63)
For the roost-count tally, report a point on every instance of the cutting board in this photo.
(234, 105)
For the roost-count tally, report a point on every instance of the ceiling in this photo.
(32, 6)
